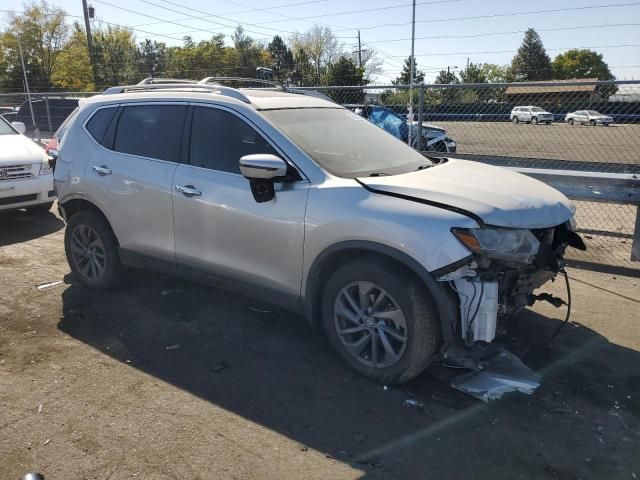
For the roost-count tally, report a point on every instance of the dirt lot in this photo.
(560, 141)
(88, 388)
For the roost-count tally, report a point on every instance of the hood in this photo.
(18, 149)
(428, 130)
(498, 196)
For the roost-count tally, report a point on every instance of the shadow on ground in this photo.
(272, 368)
(19, 226)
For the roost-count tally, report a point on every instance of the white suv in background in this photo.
(298, 201)
(531, 114)
(26, 176)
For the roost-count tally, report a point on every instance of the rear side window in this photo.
(153, 131)
(98, 124)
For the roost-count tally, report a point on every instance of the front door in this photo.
(220, 229)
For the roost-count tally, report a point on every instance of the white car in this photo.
(298, 201)
(588, 116)
(26, 175)
(531, 114)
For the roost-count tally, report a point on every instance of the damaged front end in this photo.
(495, 283)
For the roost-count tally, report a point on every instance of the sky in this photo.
(446, 36)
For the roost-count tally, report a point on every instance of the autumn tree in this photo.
(73, 71)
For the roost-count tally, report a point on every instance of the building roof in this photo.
(555, 86)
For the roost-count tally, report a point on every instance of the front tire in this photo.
(381, 320)
(592, 123)
(92, 251)
(534, 120)
(515, 119)
(570, 121)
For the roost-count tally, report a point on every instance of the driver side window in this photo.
(220, 138)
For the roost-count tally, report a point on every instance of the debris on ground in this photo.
(219, 367)
(413, 403)
(42, 286)
(304, 448)
(40, 408)
(172, 347)
(503, 372)
(46, 442)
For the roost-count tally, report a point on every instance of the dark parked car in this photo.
(435, 139)
(59, 110)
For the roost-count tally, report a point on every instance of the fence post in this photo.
(420, 115)
(46, 106)
(635, 246)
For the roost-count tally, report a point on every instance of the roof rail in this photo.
(159, 81)
(270, 83)
(218, 89)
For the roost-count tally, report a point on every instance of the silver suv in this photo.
(530, 114)
(295, 200)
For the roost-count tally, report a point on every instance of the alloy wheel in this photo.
(87, 251)
(370, 324)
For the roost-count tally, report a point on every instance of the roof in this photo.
(554, 87)
(258, 98)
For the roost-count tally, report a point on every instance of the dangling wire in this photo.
(566, 319)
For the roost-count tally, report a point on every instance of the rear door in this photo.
(130, 174)
(221, 231)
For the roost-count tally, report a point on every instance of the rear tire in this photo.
(592, 123)
(515, 119)
(380, 319)
(570, 121)
(42, 208)
(92, 251)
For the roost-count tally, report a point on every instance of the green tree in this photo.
(152, 58)
(115, 56)
(281, 59)
(447, 95)
(405, 75)
(531, 63)
(342, 73)
(42, 32)
(73, 71)
(248, 54)
(496, 73)
(473, 74)
(581, 64)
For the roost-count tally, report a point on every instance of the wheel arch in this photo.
(334, 255)
(70, 207)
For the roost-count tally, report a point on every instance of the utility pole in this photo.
(413, 67)
(359, 51)
(87, 27)
(26, 86)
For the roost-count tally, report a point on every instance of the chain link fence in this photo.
(576, 126)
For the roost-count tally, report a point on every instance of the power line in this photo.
(511, 51)
(496, 15)
(613, 25)
(366, 10)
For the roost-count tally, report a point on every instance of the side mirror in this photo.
(262, 166)
(261, 170)
(19, 126)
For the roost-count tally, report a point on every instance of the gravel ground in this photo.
(168, 379)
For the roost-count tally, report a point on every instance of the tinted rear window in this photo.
(153, 131)
(99, 123)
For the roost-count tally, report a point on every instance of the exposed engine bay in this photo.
(494, 286)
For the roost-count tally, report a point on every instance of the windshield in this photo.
(593, 113)
(344, 143)
(5, 128)
(536, 109)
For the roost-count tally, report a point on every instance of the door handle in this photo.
(102, 170)
(188, 190)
